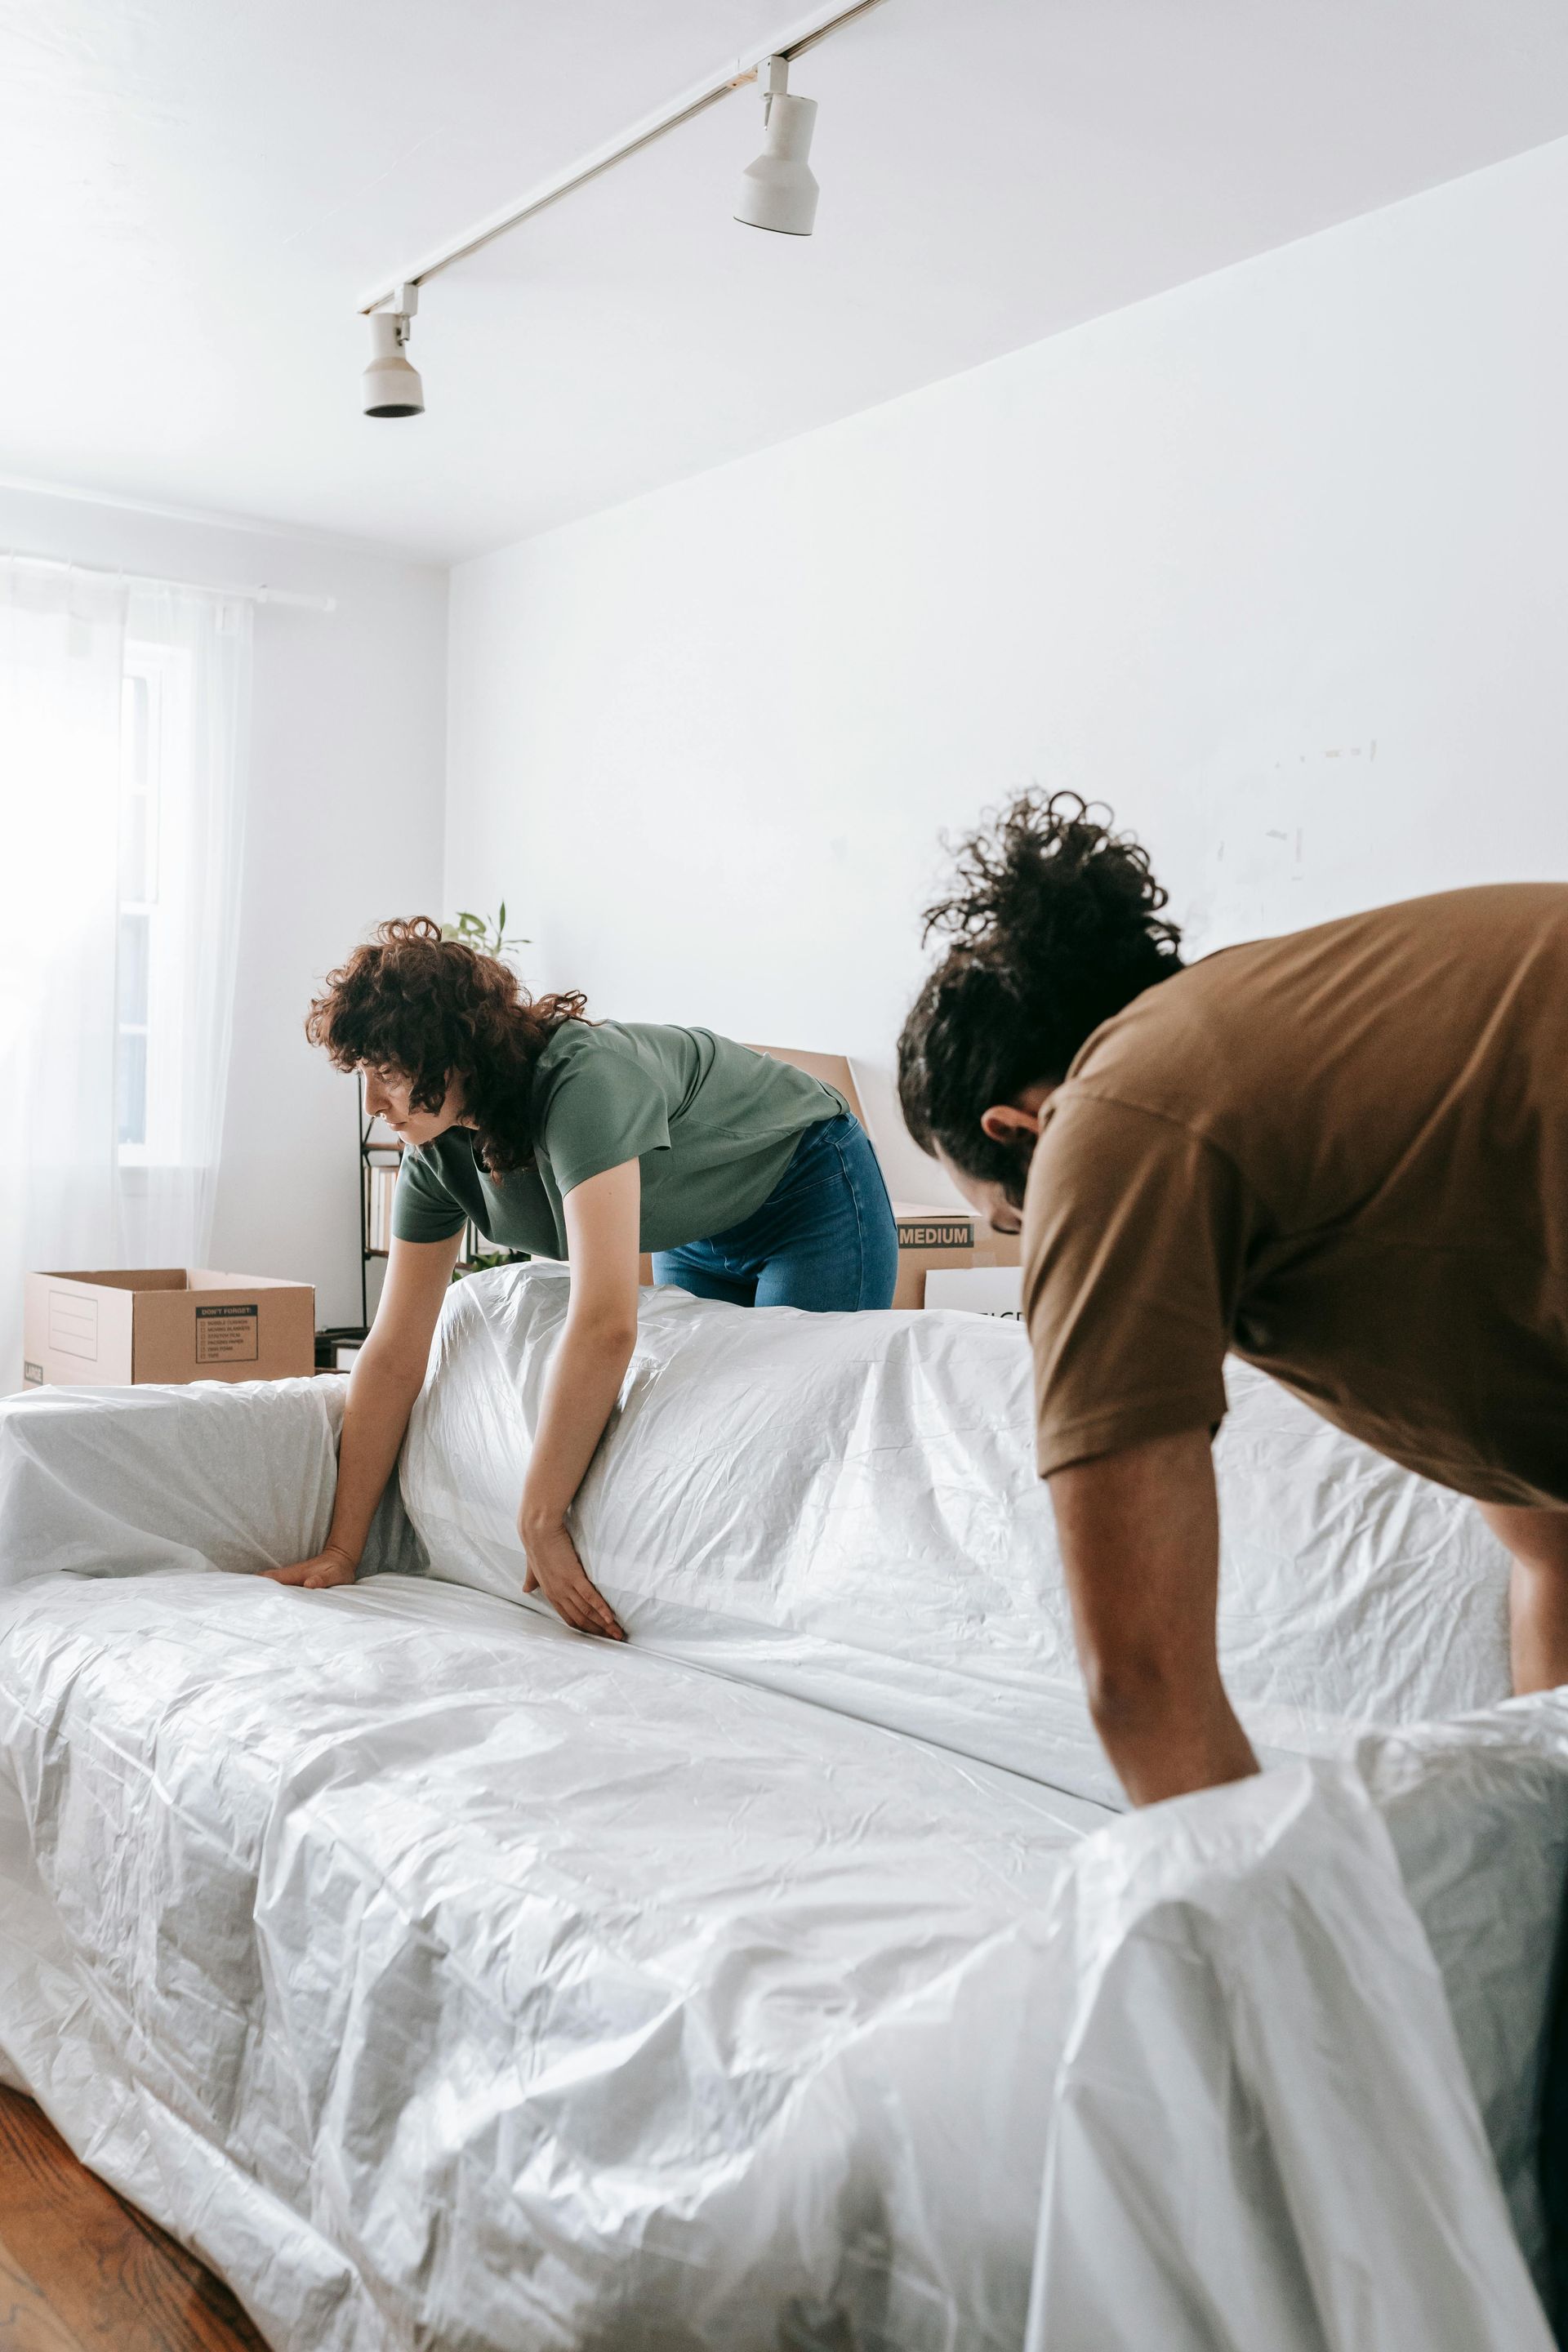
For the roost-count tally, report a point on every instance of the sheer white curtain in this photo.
(123, 720)
(185, 730)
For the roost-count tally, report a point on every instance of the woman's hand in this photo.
(332, 1565)
(554, 1570)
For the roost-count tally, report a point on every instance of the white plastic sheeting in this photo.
(113, 1482)
(1479, 1814)
(845, 1506)
(1253, 2117)
(445, 1978)
(1348, 1585)
(472, 1984)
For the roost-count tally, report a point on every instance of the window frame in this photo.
(155, 807)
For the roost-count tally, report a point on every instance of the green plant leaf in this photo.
(489, 932)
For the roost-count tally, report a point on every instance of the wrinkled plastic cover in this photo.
(210, 1474)
(1302, 1955)
(113, 1482)
(1479, 1814)
(476, 1984)
(845, 1506)
(444, 1977)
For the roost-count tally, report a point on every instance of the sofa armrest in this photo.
(117, 1482)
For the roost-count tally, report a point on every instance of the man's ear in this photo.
(1005, 1122)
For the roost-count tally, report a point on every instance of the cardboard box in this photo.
(165, 1323)
(995, 1290)
(930, 1240)
(944, 1241)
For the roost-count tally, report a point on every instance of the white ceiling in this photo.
(194, 194)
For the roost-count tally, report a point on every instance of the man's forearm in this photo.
(1166, 1740)
(1139, 1538)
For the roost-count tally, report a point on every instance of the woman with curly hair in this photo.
(592, 1142)
(1342, 1153)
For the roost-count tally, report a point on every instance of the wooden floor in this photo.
(81, 2271)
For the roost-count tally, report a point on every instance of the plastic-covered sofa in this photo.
(788, 1976)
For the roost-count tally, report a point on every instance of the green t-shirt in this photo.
(713, 1126)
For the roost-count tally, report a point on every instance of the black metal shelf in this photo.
(475, 1251)
(370, 1152)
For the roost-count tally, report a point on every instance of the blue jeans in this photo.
(824, 1238)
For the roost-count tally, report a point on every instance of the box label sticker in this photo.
(33, 1375)
(73, 1324)
(227, 1335)
(951, 1233)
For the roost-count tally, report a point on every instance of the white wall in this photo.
(344, 827)
(1274, 563)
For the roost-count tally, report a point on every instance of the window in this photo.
(150, 976)
(123, 722)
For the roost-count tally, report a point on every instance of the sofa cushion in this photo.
(845, 1506)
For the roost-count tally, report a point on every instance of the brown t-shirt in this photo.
(1344, 1154)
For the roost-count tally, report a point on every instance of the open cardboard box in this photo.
(115, 1328)
(929, 1238)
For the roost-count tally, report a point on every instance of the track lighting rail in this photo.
(804, 35)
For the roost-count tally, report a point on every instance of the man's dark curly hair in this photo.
(1055, 924)
(434, 1010)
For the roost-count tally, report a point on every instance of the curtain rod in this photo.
(803, 36)
(260, 595)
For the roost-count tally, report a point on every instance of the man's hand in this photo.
(554, 1570)
(330, 1566)
(1139, 1538)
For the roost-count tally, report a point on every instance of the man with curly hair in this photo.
(1342, 1153)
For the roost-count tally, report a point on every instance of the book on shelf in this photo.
(382, 1187)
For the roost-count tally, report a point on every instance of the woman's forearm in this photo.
(584, 1381)
(375, 1415)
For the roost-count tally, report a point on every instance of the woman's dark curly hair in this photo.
(1055, 924)
(436, 1011)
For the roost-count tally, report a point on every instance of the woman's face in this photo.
(387, 1094)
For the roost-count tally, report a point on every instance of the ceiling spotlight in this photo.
(777, 191)
(391, 385)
